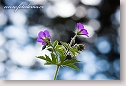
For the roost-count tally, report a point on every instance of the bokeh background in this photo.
(18, 34)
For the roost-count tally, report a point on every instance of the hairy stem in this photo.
(56, 73)
(73, 39)
(71, 43)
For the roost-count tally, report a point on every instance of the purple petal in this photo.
(39, 39)
(41, 34)
(80, 26)
(47, 33)
(43, 43)
(84, 31)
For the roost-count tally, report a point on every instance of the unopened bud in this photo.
(80, 47)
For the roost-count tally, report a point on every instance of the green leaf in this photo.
(55, 43)
(60, 48)
(54, 59)
(41, 57)
(62, 57)
(50, 49)
(74, 51)
(72, 66)
(48, 63)
(48, 59)
(70, 61)
(67, 46)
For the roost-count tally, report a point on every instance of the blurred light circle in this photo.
(59, 28)
(102, 65)
(83, 76)
(70, 25)
(92, 39)
(10, 66)
(90, 69)
(118, 31)
(95, 24)
(2, 69)
(50, 11)
(2, 39)
(3, 55)
(17, 18)
(118, 49)
(92, 13)
(37, 1)
(103, 45)
(80, 12)
(116, 65)
(64, 8)
(84, 56)
(16, 32)
(40, 75)
(13, 2)
(100, 77)
(117, 15)
(91, 2)
(23, 57)
(34, 30)
(69, 75)
(3, 18)
(19, 74)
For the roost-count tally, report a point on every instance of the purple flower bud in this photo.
(81, 30)
(42, 36)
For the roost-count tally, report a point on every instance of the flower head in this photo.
(43, 36)
(81, 30)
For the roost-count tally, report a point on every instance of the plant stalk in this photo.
(56, 73)
(73, 39)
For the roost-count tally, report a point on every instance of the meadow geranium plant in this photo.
(60, 51)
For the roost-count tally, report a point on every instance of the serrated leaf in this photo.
(54, 59)
(65, 45)
(74, 51)
(55, 43)
(62, 57)
(48, 63)
(50, 49)
(70, 61)
(72, 66)
(61, 50)
(48, 59)
(41, 57)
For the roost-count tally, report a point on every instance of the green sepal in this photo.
(43, 47)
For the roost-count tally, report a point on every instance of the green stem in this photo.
(57, 69)
(55, 53)
(73, 39)
(71, 43)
